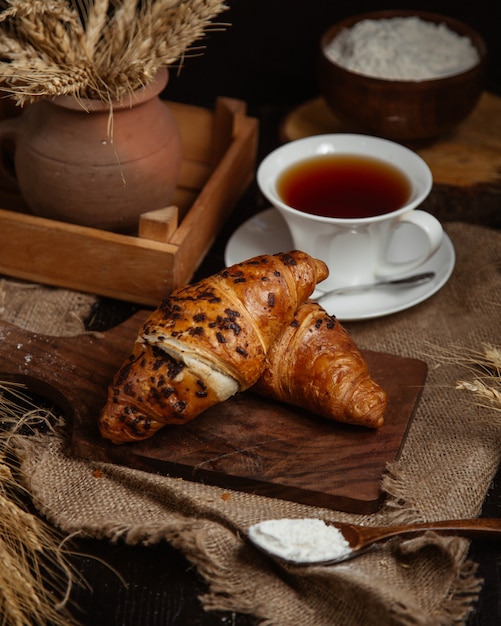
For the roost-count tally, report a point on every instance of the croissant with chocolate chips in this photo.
(205, 342)
(315, 364)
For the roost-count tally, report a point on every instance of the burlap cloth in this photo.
(451, 454)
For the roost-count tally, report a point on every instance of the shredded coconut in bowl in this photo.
(299, 540)
(402, 48)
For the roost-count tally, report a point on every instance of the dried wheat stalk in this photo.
(484, 368)
(486, 376)
(95, 48)
(30, 550)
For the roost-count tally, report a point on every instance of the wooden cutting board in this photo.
(248, 443)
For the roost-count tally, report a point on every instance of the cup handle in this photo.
(9, 132)
(434, 233)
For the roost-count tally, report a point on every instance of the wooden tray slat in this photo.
(219, 151)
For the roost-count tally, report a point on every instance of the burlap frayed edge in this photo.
(226, 592)
(463, 596)
(467, 585)
(397, 505)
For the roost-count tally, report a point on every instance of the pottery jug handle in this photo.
(9, 131)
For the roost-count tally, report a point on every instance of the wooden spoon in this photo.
(268, 537)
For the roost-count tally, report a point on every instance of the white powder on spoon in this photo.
(402, 48)
(299, 540)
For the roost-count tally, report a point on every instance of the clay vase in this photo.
(77, 160)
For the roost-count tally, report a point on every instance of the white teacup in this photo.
(356, 249)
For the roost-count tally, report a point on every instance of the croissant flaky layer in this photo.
(315, 364)
(205, 342)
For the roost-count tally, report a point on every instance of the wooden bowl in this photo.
(401, 110)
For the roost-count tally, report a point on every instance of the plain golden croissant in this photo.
(315, 364)
(205, 342)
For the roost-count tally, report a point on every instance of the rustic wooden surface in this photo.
(465, 163)
(333, 465)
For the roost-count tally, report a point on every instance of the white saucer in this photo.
(267, 233)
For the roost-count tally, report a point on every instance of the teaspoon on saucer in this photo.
(407, 281)
(315, 542)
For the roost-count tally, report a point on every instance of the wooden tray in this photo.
(247, 443)
(219, 151)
